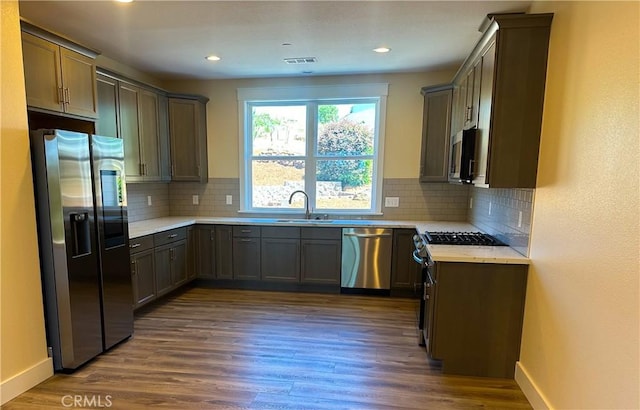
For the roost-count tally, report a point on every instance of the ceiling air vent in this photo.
(300, 60)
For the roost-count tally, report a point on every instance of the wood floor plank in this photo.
(230, 349)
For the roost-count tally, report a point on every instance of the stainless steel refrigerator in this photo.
(84, 246)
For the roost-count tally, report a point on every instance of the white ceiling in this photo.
(170, 39)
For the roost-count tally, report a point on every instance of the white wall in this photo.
(580, 345)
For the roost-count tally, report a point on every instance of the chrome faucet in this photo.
(307, 213)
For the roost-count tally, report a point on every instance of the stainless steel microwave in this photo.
(461, 165)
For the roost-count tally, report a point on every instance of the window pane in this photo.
(346, 129)
(274, 181)
(279, 130)
(344, 184)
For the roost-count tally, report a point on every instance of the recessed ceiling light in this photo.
(212, 58)
(124, 1)
(382, 49)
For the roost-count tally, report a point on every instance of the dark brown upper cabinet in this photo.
(505, 77)
(436, 120)
(188, 136)
(60, 76)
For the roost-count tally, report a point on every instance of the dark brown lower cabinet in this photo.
(475, 317)
(206, 251)
(192, 253)
(280, 254)
(246, 258)
(321, 256)
(142, 271)
(223, 252)
(405, 272)
(246, 252)
(171, 266)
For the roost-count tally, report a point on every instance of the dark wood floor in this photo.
(227, 349)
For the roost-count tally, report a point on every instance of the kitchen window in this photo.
(326, 141)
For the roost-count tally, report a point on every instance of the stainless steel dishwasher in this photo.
(366, 258)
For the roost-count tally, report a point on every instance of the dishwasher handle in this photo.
(367, 235)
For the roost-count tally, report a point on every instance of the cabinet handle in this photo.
(173, 235)
(246, 240)
(211, 235)
(171, 257)
(67, 97)
(135, 245)
(173, 170)
(134, 271)
(471, 161)
(140, 169)
(246, 231)
(60, 95)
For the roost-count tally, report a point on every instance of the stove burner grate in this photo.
(462, 238)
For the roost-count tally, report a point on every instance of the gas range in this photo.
(461, 238)
(421, 254)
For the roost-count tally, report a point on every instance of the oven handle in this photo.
(418, 258)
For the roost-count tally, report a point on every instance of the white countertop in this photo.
(439, 253)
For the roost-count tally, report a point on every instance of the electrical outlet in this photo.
(149, 203)
(391, 202)
(195, 199)
(519, 219)
(489, 207)
(229, 199)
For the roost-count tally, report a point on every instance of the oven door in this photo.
(429, 288)
(421, 308)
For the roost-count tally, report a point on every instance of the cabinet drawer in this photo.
(321, 233)
(141, 244)
(289, 232)
(170, 236)
(246, 231)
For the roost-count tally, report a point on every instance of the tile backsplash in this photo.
(504, 213)
(138, 207)
(417, 201)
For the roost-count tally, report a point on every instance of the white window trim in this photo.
(324, 92)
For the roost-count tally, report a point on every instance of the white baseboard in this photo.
(21, 382)
(530, 389)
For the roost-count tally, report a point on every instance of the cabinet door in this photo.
(144, 286)
(320, 261)
(436, 119)
(192, 252)
(129, 126)
(280, 259)
(457, 108)
(405, 272)
(178, 263)
(206, 252)
(484, 119)
(163, 258)
(163, 135)
(43, 76)
(246, 258)
(473, 96)
(187, 134)
(79, 82)
(224, 252)
(108, 120)
(148, 134)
